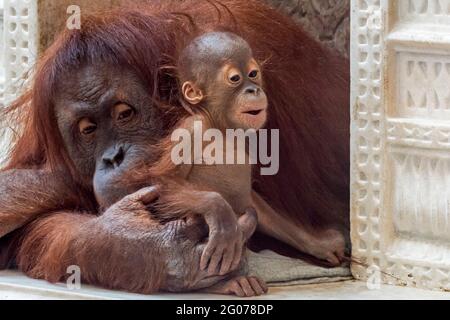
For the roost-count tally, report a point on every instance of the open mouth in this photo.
(254, 112)
(254, 117)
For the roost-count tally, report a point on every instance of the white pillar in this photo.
(400, 204)
(18, 53)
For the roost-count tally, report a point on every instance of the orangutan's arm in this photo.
(118, 250)
(25, 194)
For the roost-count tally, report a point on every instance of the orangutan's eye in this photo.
(235, 79)
(87, 127)
(253, 74)
(123, 112)
(234, 76)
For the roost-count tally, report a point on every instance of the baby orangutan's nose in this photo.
(252, 90)
(113, 157)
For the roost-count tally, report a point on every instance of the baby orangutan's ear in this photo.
(191, 93)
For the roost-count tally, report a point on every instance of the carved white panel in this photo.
(423, 84)
(18, 53)
(420, 196)
(20, 43)
(434, 11)
(400, 204)
(416, 134)
(2, 52)
(367, 127)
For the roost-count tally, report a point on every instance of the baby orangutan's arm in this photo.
(238, 284)
(180, 199)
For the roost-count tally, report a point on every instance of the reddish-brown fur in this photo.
(307, 87)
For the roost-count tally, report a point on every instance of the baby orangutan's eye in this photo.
(86, 127)
(253, 74)
(235, 79)
(123, 112)
(234, 76)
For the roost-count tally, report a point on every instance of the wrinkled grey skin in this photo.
(179, 244)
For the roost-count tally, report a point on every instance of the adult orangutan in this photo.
(47, 206)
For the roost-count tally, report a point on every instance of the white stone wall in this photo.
(2, 69)
(18, 53)
(20, 30)
(400, 207)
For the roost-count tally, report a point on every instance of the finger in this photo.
(246, 287)
(145, 195)
(206, 256)
(215, 260)
(237, 256)
(251, 212)
(237, 290)
(256, 286)
(263, 285)
(226, 261)
(341, 254)
(333, 260)
(248, 222)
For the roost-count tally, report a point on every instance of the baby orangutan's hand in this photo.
(226, 242)
(224, 248)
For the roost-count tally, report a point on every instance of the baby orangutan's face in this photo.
(244, 101)
(230, 89)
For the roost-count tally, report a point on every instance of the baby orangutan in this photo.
(221, 87)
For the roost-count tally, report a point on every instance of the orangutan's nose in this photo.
(252, 89)
(114, 156)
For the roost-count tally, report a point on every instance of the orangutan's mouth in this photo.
(254, 112)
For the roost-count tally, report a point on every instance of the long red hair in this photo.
(307, 87)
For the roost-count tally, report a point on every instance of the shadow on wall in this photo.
(327, 20)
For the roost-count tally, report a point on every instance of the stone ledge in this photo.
(14, 285)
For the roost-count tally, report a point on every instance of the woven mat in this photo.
(279, 270)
